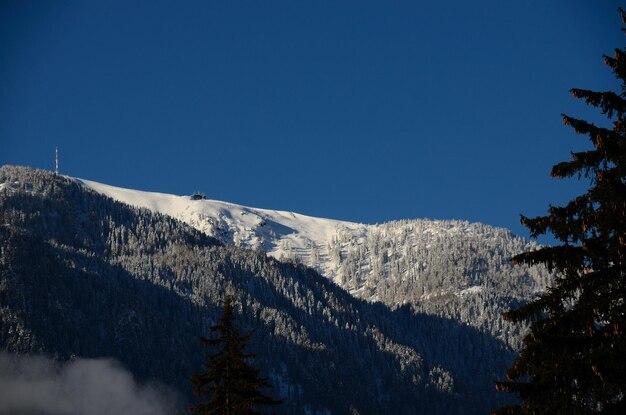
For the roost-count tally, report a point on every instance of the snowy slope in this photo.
(346, 252)
(283, 235)
(450, 268)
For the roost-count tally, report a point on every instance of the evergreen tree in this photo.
(574, 357)
(232, 384)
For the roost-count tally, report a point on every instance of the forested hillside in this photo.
(446, 268)
(83, 275)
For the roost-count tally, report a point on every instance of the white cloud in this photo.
(37, 385)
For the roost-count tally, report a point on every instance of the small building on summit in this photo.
(198, 196)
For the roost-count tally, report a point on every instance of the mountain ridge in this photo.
(84, 275)
(449, 268)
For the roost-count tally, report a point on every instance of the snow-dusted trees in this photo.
(138, 286)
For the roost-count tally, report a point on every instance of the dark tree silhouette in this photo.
(231, 383)
(573, 360)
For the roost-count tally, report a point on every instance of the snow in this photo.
(320, 243)
(16, 185)
(476, 289)
(281, 234)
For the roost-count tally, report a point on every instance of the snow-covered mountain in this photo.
(449, 268)
(281, 234)
(84, 275)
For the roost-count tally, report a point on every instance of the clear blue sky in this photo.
(356, 110)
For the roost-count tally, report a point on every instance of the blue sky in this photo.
(355, 110)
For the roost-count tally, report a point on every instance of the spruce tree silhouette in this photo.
(573, 360)
(232, 384)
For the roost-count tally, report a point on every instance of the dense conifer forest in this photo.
(85, 276)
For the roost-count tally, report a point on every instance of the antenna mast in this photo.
(56, 171)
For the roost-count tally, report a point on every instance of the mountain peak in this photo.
(437, 265)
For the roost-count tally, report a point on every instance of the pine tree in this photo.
(230, 381)
(573, 360)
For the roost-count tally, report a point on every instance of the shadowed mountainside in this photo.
(87, 276)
